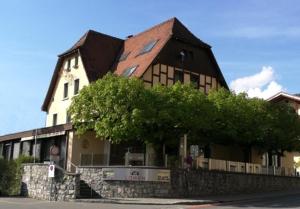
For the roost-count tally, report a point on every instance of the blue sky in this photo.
(252, 41)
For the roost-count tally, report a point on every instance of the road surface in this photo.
(284, 201)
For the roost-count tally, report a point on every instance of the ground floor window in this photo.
(118, 153)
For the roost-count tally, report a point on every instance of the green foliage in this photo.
(121, 109)
(179, 109)
(11, 174)
(254, 122)
(115, 107)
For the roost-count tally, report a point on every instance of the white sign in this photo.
(136, 174)
(51, 171)
(194, 150)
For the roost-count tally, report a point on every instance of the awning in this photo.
(27, 138)
(60, 133)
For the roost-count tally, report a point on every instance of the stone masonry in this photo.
(194, 183)
(37, 184)
(188, 184)
(92, 176)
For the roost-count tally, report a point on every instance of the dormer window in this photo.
(148, 47)
(124, 56)
(128, 72)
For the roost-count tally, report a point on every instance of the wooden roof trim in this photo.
(284, 95)
(39, 131)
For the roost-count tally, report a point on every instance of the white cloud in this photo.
(261, 85)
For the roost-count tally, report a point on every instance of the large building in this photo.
(165, 54)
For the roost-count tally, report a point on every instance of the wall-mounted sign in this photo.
(51, 171)
(194, 151)
(136, 174)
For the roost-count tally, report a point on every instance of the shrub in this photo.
(11, 174)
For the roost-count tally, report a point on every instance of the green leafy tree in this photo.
(253, 122)
(114, 107)
(284, 129)
(179, 109)
(120, 109)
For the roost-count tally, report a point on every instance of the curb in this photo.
(122, 202)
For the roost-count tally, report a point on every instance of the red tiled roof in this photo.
(161, 32)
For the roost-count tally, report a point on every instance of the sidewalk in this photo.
(189, 201)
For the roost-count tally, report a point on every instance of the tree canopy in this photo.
(120, 109)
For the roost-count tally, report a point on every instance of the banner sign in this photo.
(136, 174)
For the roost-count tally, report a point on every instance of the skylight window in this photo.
(124, 56)
(148, 47)
(128, 72)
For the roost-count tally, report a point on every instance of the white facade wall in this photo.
(59, 104)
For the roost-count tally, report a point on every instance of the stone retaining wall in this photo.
(194, 183)
(92, 176)
(185, 183)
(203, 182)
(37, 184)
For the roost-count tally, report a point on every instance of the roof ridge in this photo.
(103, 34)
(284, 94)
(155, 26)
(176, 21)
(83, 39)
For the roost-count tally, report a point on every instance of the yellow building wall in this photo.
(59, 104)
(87, 144)
(287, 161)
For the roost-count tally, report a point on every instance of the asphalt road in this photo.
(285, 201)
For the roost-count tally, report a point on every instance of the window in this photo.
(54, 120)
(66, 88)
(76, 62)
(148, 47)
(128, 72)
(195, 80)
(69, 64)
(178, 76)
(124, 56)
(76, 86)
(68, 118)
(1, 150)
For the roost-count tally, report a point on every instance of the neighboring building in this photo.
(164, 54)
(294, 100)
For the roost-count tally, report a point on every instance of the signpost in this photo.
(51, 174)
